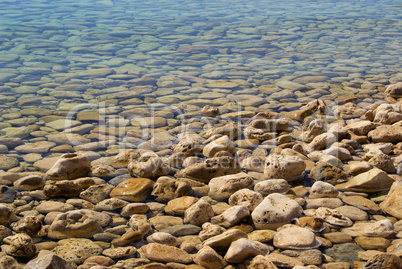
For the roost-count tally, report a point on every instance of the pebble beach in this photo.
(200, 134)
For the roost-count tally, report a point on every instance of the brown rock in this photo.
(209, 258)
(69, 166)
(261, 262)
(29, 183)
(372, 242)
(133, 189)
(393, 203)
(163, 253)
(386, 133)
(50, 261)
(385, 260)
(20, 245)
(284, 261)
(64, 188)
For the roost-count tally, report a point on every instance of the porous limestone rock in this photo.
(76, 223)
(69, 166)
(221, 188)
(294, 237)
(286, 167)
(270, 186)
(148, 165)
(393, 203)
(210, 168)
(221, 144)
(244, 248)
(208, 258)
(77, 250)
(248, 198)
(231, 216)
(20, 245)
(198, 213)
(167, 188)
(274, 211)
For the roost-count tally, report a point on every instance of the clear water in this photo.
(336, 38)
(338, 47)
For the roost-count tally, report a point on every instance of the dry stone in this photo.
(381, 228)
(270, 186)
(167, 188)
(244, 248)
(248, 198)
(393, 203)
(77, 250)
(221, 144)
(20, 245)
(373, 180)
(69, 166)
(274, 211)
(163, 253)
(50, 261)
(294, 237)
(208, 258)
(286, 167)
(231, 216)
(221, 188)
(223, 240)
(198, 213)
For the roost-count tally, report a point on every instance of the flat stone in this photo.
(221, 188)
(62, 124)
(362, 203)
(133, 189)
(338, 237)
(372, 242)
(163, 253)
(386, 133)
(7, 162)
(381, 228)
(37, 147)
(283, 260)
(294, 237)
(270, 186)
(353, 213)
(373, 180)
(77, 250)
(223, 241)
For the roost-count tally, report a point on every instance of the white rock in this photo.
(274, 211)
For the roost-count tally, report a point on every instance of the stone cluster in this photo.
(316, 187)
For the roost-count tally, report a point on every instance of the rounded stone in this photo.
(274, 211)
(294, 237)
(133, 189)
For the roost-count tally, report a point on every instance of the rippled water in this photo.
(59, 54)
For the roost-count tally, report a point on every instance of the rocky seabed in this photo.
(318, 186)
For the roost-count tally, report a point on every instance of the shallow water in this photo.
(133, 54)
